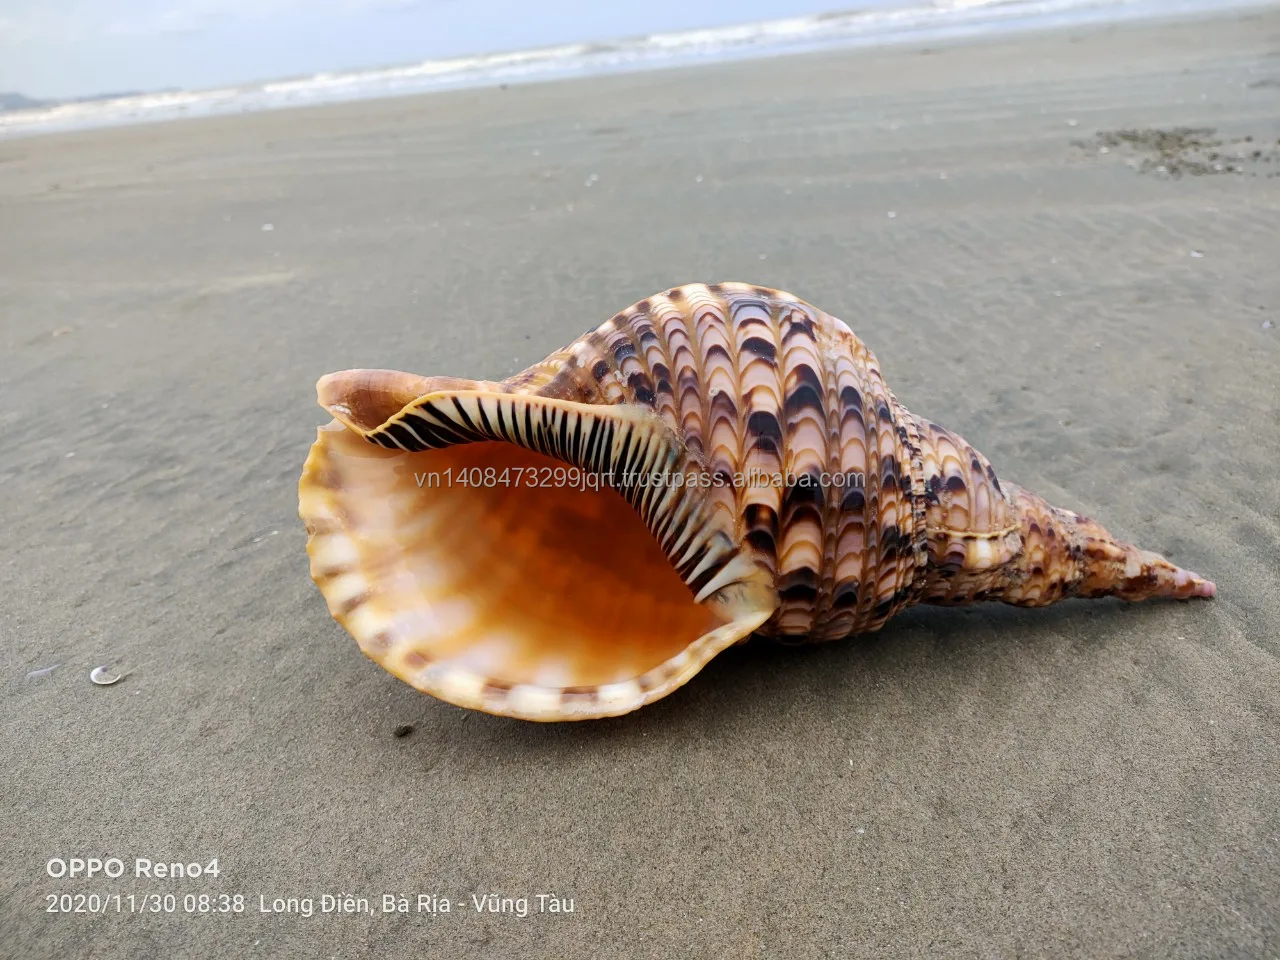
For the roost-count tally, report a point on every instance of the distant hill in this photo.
(16, 101)
(19, 101)
(114, 95)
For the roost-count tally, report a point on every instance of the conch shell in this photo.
(714, 461)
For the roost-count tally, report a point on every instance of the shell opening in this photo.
(475, 573)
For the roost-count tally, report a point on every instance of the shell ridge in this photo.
(831, 503)
(920, 529)
(804, 458)
(698, 318)
(759, 505)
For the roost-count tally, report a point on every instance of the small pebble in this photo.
(403, 730)
(892, 215)
(1267, 325)
(268, 227)
(1197, 254)
(42, 672)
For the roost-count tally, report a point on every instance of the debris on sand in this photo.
(1183, 151)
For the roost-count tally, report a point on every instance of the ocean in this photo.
(875, 23)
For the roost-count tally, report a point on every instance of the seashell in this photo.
(105, 677)
(711, 463)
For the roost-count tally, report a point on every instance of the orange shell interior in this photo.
(506, 576)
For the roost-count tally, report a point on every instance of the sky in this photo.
(66, 48)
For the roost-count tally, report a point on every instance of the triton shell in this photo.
(713, 462)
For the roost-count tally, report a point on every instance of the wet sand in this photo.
(1087, 781)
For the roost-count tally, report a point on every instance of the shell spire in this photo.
(996, 541)
(712, 462)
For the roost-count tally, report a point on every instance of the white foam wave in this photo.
(910, 21)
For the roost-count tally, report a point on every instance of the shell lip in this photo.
(546, 704)
(366, 399)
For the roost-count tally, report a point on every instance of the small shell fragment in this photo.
(103, 676)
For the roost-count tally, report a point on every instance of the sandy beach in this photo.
(1040, 262)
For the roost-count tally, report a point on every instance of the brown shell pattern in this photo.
(788, 409)
(816, 506)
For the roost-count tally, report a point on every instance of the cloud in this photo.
(197, 15)
(194, 16)
(375, 6)
(55, 20)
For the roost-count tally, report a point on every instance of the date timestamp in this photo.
(102, 904)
